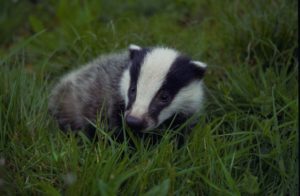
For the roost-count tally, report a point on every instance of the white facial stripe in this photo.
(124, 85)
(188, 100)
(152, 74)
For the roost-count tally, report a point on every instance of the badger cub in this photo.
(148, 86)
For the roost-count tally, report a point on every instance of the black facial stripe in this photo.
(137, 58)
(181, 73)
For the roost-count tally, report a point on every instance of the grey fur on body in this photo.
(81, 94)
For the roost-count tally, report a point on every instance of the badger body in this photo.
(145, 86)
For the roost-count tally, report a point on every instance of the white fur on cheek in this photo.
(188, 100)
(124, 85)
(152, 75)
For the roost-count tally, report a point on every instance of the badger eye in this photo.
(164, 97)
(132, 91)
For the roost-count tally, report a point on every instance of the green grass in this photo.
(246, 141)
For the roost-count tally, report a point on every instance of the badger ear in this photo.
(201, 67)
(199, 64)
(133, 50)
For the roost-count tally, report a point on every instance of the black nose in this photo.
(135, 123)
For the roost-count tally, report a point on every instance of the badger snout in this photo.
(139, 122)
(135, 123)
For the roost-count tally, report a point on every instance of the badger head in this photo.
(159, 83)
